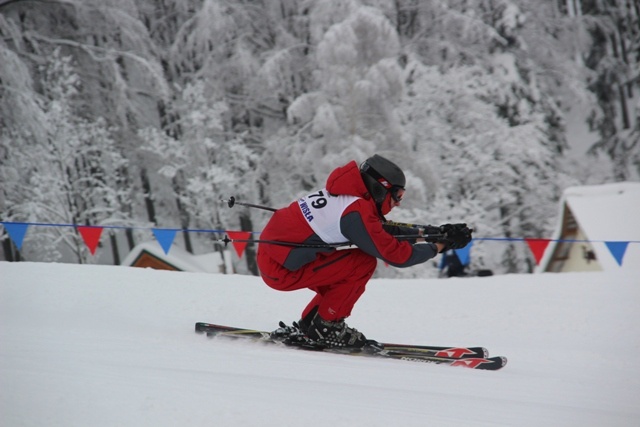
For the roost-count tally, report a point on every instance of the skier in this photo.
(351, 208)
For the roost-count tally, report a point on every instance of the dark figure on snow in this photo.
(452, 266)
(351, 208)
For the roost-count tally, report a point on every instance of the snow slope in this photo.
(114, 346)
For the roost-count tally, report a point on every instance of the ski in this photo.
(468, 357)
(438, 351)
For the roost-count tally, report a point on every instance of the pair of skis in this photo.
(467, 357)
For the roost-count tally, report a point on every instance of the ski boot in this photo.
(335, 335)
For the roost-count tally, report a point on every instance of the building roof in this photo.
(604, 213)
(177, 258)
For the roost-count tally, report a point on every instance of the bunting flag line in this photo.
(164, 237)
(91, 236)
(16, 232)
(617, 249)
(240, 235)
(537, 246)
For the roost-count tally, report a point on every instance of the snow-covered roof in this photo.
(178, 257)
(604, 213)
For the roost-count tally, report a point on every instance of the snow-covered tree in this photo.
(613, 57)
(493, 115)
(275, 94)
(497, 175)
(71, 174)
(349, 113)
(205, 164)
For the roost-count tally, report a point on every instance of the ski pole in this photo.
(407, 225)
(428, 237)
(228, 240)
(232, 201)
(430, 228)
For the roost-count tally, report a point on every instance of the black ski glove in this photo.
(456, 236)
(430, 229)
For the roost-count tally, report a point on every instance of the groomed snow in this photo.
(114, 346)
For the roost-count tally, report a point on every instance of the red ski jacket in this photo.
(341, 212)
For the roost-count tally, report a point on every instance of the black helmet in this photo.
(382, 176)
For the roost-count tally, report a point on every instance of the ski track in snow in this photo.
(115, 346)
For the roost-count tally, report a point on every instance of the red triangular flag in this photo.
(240, 235)
(537, 247)
(91, 237)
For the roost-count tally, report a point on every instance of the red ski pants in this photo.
(339, 279)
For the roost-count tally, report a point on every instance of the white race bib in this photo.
(323, 212)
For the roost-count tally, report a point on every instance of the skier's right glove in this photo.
(455, 236)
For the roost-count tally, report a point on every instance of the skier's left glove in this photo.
(455, 236)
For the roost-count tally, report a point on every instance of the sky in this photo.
(95, 345)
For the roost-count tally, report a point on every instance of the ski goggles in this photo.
(397, 193)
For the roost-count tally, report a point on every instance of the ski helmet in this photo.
(382, 176)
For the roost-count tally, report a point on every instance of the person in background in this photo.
(350, 208)
(452, 266)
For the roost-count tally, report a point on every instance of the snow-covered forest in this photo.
(147, 112)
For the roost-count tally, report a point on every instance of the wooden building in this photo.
(592, 219)
(151, 255)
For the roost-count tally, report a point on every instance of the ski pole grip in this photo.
(432, 238)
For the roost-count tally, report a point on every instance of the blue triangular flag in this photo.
(617, 249)
(165, 238)
(464, 254)
(16, 231)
